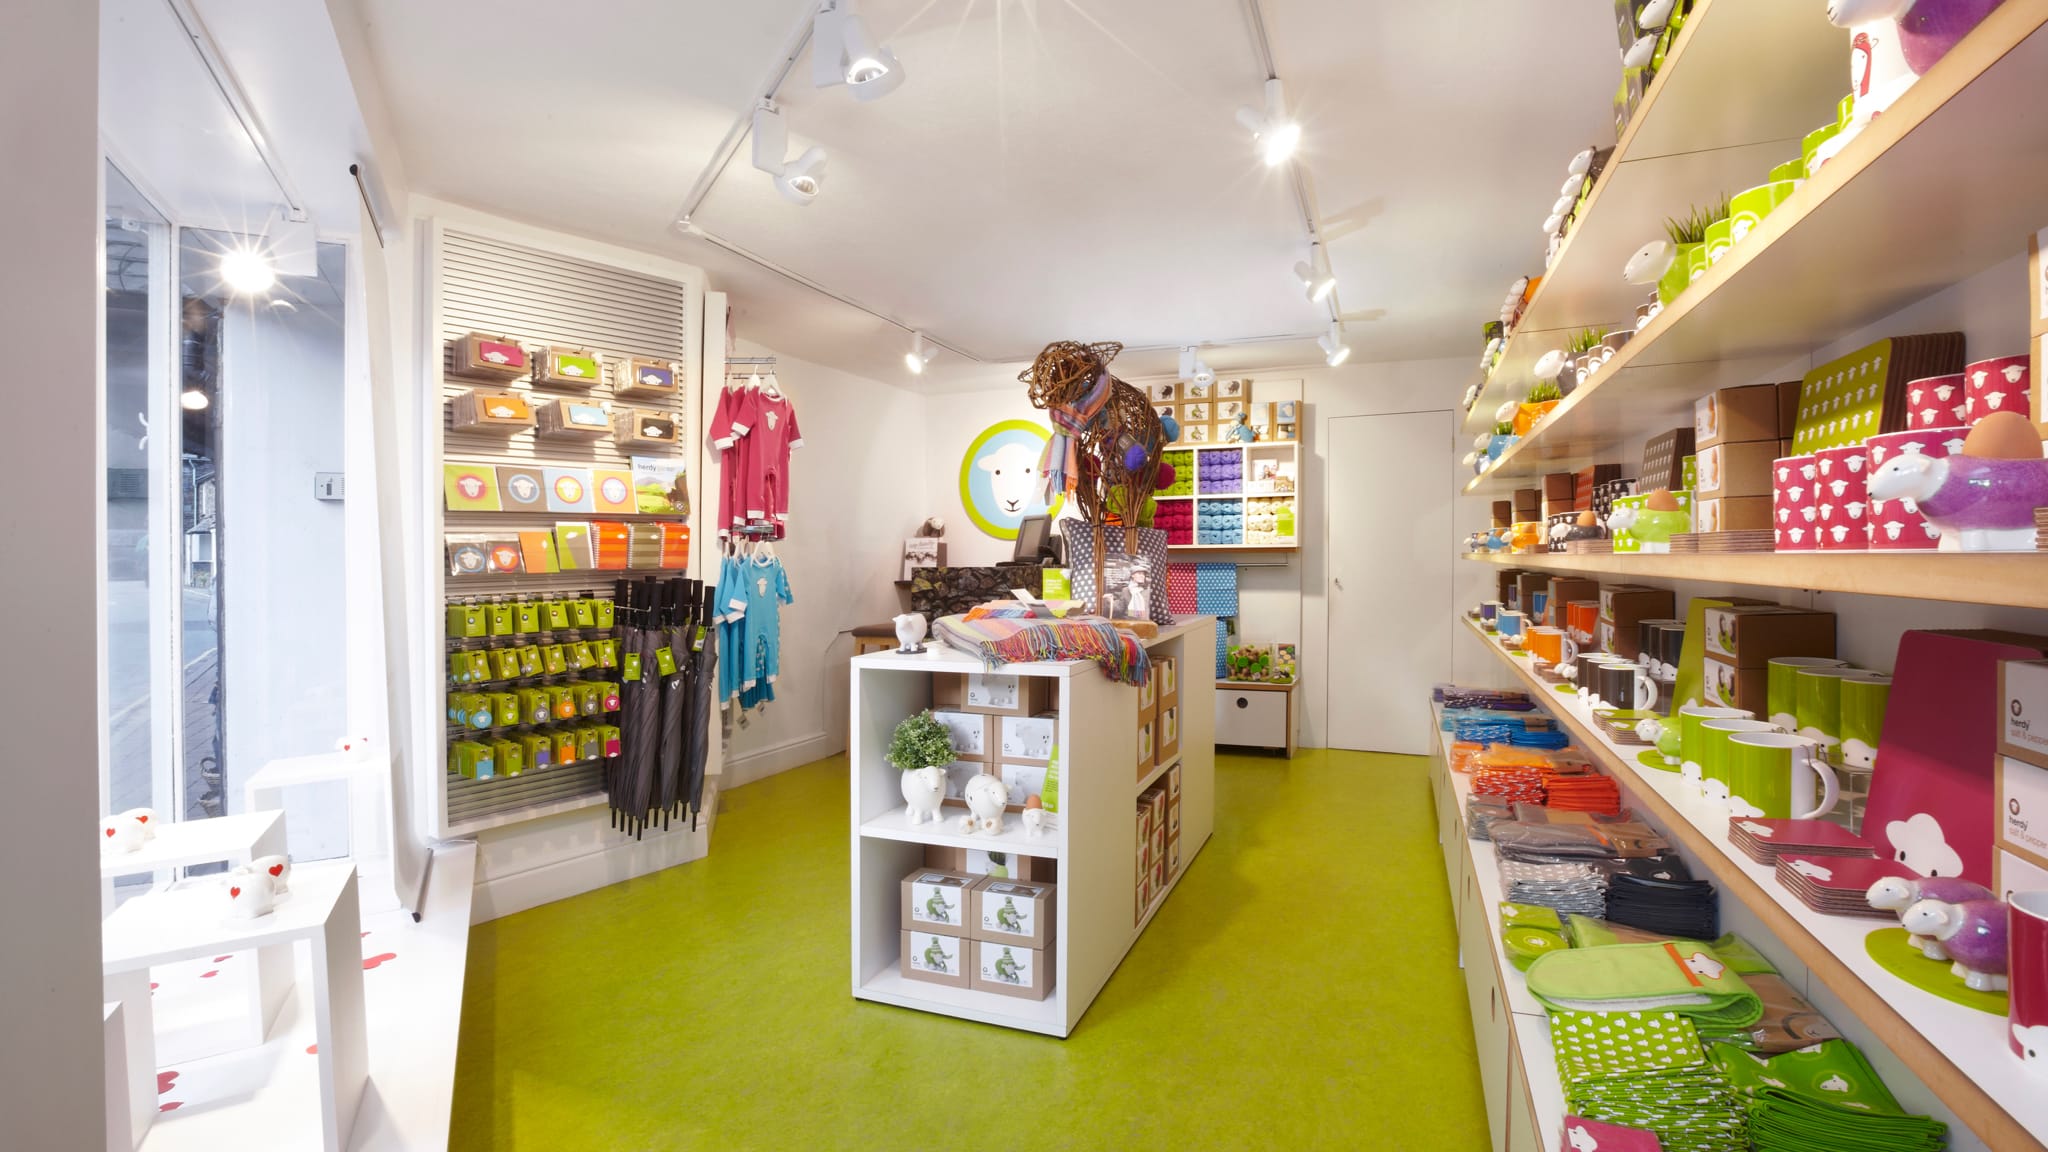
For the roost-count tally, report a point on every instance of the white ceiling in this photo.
(1050, 169)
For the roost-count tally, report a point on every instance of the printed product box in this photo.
(1159, 835)
(1727, 686)
(1027, 739)
(1146, 753)
(1533, 588)
(1737, 416)
(2023, 809)
(1173, 855)
(1173, 784)
(1624, 604)
(973, 734)
(1752, 636)
(936, 959)
(958, 773)
(1503, 513)
(1172, 816)
(1166, 737)
(936, 901)
(1161, 875)
(1167, 670)
(2023, 697)
(1014, 912)
(1558, 486)
(991, 693)
(1148, 697)
(978, 862)
(1010, 970)
(1023, 782)
(1565, 591)
(1729, 470)
(1735, 514)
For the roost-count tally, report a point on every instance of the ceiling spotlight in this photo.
(1314, 274)
(842, 52)
(1335, 350)
(247, 271)
(919, 355)
(1276, 132)
(193, 400)
(1192, 367)
(798, 180)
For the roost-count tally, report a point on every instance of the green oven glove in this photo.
(1646, 978)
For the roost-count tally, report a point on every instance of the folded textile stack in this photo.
(1764, 840)
(1674, 907)
(1553, 843)
(1823, 1098)
(1789, 1022)
(1647, 1070)
(1483, 812)
(1528, 931)
(1515, 785)
(1839, 886)
(1453, 696)
(1534, 738)
(1663, 977)
(1562, 887)
(1582, 791)
(1490, 725)
(1582, 1132)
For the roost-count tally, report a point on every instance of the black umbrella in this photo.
(703, 708)
(674, 690)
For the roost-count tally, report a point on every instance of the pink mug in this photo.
(2027, 970)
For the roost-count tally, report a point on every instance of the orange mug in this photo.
(1546, 644)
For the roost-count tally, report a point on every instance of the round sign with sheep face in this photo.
(1000, 481)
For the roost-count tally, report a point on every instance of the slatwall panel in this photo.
(538, 299)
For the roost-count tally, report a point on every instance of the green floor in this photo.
(1299, 990)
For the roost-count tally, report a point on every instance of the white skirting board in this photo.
(794, 752)
(526, 865)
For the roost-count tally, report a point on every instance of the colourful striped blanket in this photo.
(998, 641)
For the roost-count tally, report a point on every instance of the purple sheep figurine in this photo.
(1974, 933)
(1984, 496)
(1900, 893)
(1892, 44)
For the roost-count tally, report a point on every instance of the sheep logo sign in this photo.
(1000, 483)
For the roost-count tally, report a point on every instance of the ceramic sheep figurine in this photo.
(1899, 893)
(924, 790)
(1892, 44)
(985, 796)
(1974, 933)
(1984, 497)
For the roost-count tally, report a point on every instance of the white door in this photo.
(1389, 544)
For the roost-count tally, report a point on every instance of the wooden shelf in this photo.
(1688, 143)
(1959, 1053)
(2009, 579)
(1886, 223)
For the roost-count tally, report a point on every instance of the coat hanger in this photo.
(772, 387)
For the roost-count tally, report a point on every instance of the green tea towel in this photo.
(1784, 1121)
(1834, 1073)
(1601, 1045)
(1645, 978)
(1528, 931)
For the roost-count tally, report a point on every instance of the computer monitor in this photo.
(1034, 541)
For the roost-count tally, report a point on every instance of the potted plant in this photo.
(1541, 399)
(920, 748)
(1503, 437)
(1688, 239)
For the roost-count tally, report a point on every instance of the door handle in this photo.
(1339, 583)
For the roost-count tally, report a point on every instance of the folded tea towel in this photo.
(1645, 977)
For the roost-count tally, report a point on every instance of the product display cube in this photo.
(936, 900)
(991, 693)
(936, 958)
(1013, 912)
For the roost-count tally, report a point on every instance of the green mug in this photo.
(1790, 170)
(1813, 141)
(1819, 704)
(1695, 261)
(1718, 240)
(1864, 696)
(1777, 777)
(1714, 758)
(1751, 205)
(1688, 720)
(1783, 691)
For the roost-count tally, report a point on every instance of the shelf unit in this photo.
(1092, 838)
(1960, 1054)
(2005, 579)
(1885, 223)
(1279, 453)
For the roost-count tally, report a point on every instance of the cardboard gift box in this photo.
(2023, 710)
(1028, 739)
(488, 357)
(1727, 686)
(1566, 591)
(936, 900)
(1530, 589)
(1167, 670)
(484, 409)
(569, 368)
(1559, 487)
(974, 735)
(1013, 912)
(936, 959)
(1736, 514)
(572, 419)
(1148, 697)
(979, 862)
(991, 693)
(1503, 513)
(1731, 470)
(1736, 416)
(1751, 636)
(636, 377)
(644, 428)
(1622, 607)
(1664, 461)
(1166, 737)
(1528, 503)
(1010, 970)
(1146, 752)
(1173, 784)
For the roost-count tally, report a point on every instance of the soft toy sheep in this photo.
(1974, 933)
(1899, 893)
(1985, 495)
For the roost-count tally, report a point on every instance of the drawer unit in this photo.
(1252, 717)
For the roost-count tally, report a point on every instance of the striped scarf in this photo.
(1061, 463)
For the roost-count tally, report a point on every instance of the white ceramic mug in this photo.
(120, 834)
(278, 868)
(250, 894)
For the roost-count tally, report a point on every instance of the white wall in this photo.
(51, 1093)
(284, 565)
(857, 488)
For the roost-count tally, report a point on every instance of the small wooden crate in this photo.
(488, 409)
(572, 420)
(569, 368)
(483, 356)
(637, 377)
(644, 428)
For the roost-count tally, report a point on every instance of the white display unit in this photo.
(1280, 453)
(1093, 837)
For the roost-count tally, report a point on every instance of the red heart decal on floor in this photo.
(164, 1080)
(232, 892)
(110, 832)
(277, 869)
(173, 1106)
(373, 961)
(209, 975)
